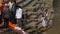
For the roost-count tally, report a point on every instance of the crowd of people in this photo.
(10, 16)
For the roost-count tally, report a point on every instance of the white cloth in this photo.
(10, 5)
(43, 22)
(17, 28)
(19, 13)
(47, 14)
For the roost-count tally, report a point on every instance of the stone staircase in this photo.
(32, 10)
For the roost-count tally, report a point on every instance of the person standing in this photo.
(6, 15)
(0, 14)
(14, 8)
(1, 10)
(10, 4)
(19, 16)
(2, 7)
(13, 12)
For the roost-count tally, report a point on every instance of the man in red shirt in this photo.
(2, 7)
(1, 10)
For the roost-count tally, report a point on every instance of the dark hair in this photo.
(18, 6)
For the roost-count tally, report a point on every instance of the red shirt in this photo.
(2, 7)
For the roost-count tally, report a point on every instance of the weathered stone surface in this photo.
(35, 9)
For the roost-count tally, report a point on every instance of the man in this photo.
(19, 16)
(14, 12)
(14, 8)
(1, 10)
(6, 15)
(10, 4)
(9, 23)
(0, 14)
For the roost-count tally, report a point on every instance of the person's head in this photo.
(6, 5)
(46, 10)
(14, 2)
(18, 7)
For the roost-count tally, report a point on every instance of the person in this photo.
(0, 14)
(44, 23)
(2, 7)
(10, 4)
(13, 12)
(46, 14)
(1, 11)
(17, 29)
(14, 8)
(6, 15)
(8, 23)
(19, 15)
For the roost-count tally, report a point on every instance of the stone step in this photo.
(37, 6)
(29, 8)
(25, 3)
(33, 16)
(32, 20)
(33, 8)
(39, 25)
(6, 31)
(31, 24)
(32, 3)
(39, 13)
(20, 1)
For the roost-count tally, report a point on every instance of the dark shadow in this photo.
(56, 3)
